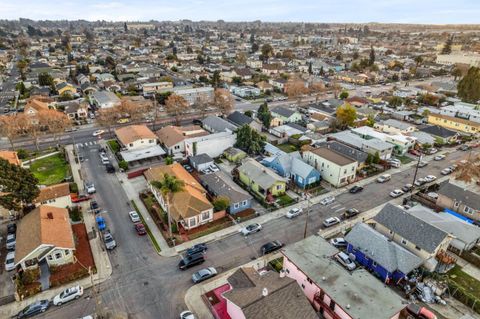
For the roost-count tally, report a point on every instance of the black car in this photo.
(11, 228)
(33, 309)
(271, 246)
(94, 205)
(356, 189)
(190, 261)
(110, 169)
(198, 248)
(349, 213)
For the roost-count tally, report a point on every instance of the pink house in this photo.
(264, 295)
(332, 290)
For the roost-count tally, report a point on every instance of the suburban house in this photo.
(370, 146)
(213, 144)
(402, 144)
(391, 126)
(10, 156)
(359, 156)
(65, 88)
(374, 251)
(75, 110)
(104, 99)
(454, 123)
(334, 167)
(173, 137)
(259, 295)
(219, 185)
(281, 115)
(55, 195)
(234, 155)
(441, 134)
(424, 240)
(215, 124)
(156, 87)
(240, 119)
(460, 200)
(190, 207)
(200, 162)
(287, 130)
(35, 105)
(333, 291)
(292, 167)
(466, 235)
(262, 181)
(44, 234)
(137, 143)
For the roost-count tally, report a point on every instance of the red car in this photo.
(79, 198)
(420, 312)
(414, 152)
(140, 228)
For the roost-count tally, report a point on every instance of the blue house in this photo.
(386, 259)
(291, 165)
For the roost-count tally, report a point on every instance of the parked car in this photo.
(90, 188)
(396, 193)
(430, 178)
(338, 242)
(186, 315)
(394, 163)
(349, 213)
(80, 198)
(188, 168)
(345, 261)
(190, 261)
(204, 274)
(11, 241)
(329, 222)
(356, 189)
(10, 261)
(327, 200)
(101, 223)
(250, 229)
(294, 212)
(407, 188)
(422, 163)
(271, 247)
(67, 295)
(34, 309)
(214, 168)
(198, 248)
(11, 228)
(432, 195)
(110, 168)
(453, 167)
(420, 312)
(432, 151)
(108, 240)
(384, 178)
(420, 181)
(446, 171)
(439, 157)
(98, 132)
(134, 216)
(414, 152)
(464, 148)
(140, 228)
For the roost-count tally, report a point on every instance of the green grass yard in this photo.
(287, 147)
(50, 170)
(464, 280)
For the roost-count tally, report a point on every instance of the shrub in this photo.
(73, 187)
(221, 203)
(123, 165)
(75, 214)
(22, 154)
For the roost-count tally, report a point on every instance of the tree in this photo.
(201, 104)
(22, 66)
(168, 160)
(56, 122)
(224, 101)
(469, 86)
(295, 89)
(254, 47)
(343, 95)
(310, 70)
(241, 57)
(371, 59)
(19, 186)
(264, 115)
(106, 117)
(221, 203)
(169, 186)
(248, 113)
(346, 115)
(176, 106)
(267, 51)
(250, 140)
(216, 79)
(236, 80)
(395, 101)
(456, 73)
(369, 159)
(125, 27)
(370, 120)
(447, 47)
(418, 60)
(376, 158)
(468, 170)
(10, 128)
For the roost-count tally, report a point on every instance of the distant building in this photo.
(471, 59)
(104, 99)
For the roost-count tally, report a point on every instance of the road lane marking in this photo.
(334, 206)
(340, 209)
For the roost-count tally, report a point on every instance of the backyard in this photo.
(464, 287)
(50, 170)
(287, 147)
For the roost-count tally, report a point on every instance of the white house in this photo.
(104, 99)
(213, 145)
(138, 142)
(55, 195)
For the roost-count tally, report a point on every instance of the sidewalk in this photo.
(100, 256)
(193, 297)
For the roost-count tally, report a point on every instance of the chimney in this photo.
(50, 215)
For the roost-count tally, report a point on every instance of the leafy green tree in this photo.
(19, 186)
(221, 203)
(255, 47)
(216, 79)
(168, 186)
(267, 51)
(370, 120)
(371, 59)
(343, 95)
(447, 48)
(376, 158)
(237, 80)
(264, 115)
(250, 140)
(418, 60)
(469, 86)
(168, 160)
(346, 115)
(395, 101)
(369, 159)
(248, 113)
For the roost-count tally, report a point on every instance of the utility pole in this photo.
(306, 219)
(416, 171)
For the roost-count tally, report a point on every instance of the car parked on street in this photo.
(204, 274)
(394, 162)
(10, 261)
(67, 295)
(384, 178)
(329, 222)
(327, 200)
(420, 181)
(101, 223)
(356, 189)
(187, 315)
(396, 193)
(432, 151)
(33, 309)
(108, 240)
(338, 242)
(90, 188)
(271, 247)
(140, 229)
(250, 229)
(407, 187)
(439, 157)
(190, 261)
(198, 248)
(11, 241)
(134, 217)
(345, 261)
(430, 178)
(98, 132)
(446, 171)
(294, 212)
(422, 163)
(11, 228)
(110, 168)
(349, 213)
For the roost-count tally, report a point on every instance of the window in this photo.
(353, 168)
(374, 264)
(332, 304)
(67, 252)
(418, 248)
(468, 210)
(131, 144)
(344, 171)
(279, 187)
(205, 215)
(323, 164)
(150, 141)
(456, 204)
(236, 205)
(192, 222)
(404, 241)
(288, 271)
(303, 286)
(142, 141)
(309, 280)
(176, 147)
(50, 257)
(58, 255)
(391, 232)
(300, 180)
(245, 203)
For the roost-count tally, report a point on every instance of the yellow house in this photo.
(65, 87)
(454, 123)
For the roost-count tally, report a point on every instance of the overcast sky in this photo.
(402, 11)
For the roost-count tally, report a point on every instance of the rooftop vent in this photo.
(50, 215)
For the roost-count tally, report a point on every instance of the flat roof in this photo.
(358, 293)
(139, 154)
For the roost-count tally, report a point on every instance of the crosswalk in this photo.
(86, 144)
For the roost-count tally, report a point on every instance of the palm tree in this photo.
(168, 186)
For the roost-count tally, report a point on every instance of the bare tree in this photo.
(56, 122)
(176, 106)
(107, 117)
(295, 89)
(224, 101)
(469, 170)
(201, 104)
(9, 127)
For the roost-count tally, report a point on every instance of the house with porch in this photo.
(262, 181)
(57, 195)
(190, 207)
(44, 234)
(173, 137)
(460, 199)
(441, 134)
(281, 115)
(333, 291)
(137, 143)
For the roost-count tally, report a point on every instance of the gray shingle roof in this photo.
(397, 124)
(216, 124)
(438, 131)
(283, 112)
(261, 175)
(460, 194)
(239, 118)
(221, 185)
(380, 249)
(200, 159)
(411, 228)
(348, 151)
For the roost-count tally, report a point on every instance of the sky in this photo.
(361, 11)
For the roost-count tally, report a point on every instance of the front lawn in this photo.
(284, 200)
(50, 170)
(404, 159)
(287, 147)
